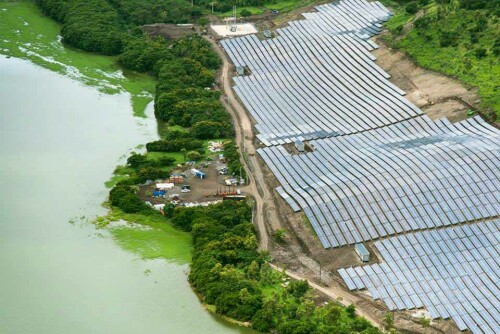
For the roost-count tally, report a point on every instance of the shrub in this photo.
(193, 155)
(125, 198)
(245, 13)
(411, 8)
(298, 288)
(448, 38)
(480, 53)
(280, 235)
(174, 145)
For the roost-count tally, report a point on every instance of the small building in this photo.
(299, 145)
(159, 207)
(268, 34)
(362, 252)
(164, 186)
(240, 70)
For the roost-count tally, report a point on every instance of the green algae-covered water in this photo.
(61, 136)
(26, 34)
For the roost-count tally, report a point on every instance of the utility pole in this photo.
(212, 6)
(320, 269)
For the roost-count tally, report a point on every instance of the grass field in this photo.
(283, 6)
(470, 31)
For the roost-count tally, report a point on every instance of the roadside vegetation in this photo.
(460, 38)
(248, 8)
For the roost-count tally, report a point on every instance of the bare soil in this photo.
(437, 95)
(212, 188)
(168, 31)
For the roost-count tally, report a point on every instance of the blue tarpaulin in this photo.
(158, 193)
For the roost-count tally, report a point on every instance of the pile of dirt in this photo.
(168, 31)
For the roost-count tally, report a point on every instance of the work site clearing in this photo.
(193, 184)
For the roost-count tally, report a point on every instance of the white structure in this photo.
(362, 252)
(164, 186)
(224, 30)
(299, 145)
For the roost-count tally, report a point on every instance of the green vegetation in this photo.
(229, 273)
(106, 26)
(460, 38)
(26, 34)
(280, 236)
(232, 156)
(247, 8)
(185, 70)
(284, 6)
(150, 237)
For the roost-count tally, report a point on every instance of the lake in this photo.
(59, 142)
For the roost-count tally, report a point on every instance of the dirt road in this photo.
(340, 295)
(264, 205)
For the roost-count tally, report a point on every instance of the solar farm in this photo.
(376, 167)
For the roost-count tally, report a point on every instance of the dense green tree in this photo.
(246, 13)
(210, 129)
(298, 288)
(124, 198)
(173, 145)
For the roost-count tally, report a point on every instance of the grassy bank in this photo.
(27, 34)
(451, 38)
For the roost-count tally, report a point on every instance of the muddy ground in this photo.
(169, 31)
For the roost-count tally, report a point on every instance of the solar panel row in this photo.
(413, 175)
(452, 272)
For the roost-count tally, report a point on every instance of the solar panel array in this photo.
(378, 167)
(414, 175)
(452, 272)
(318, 78)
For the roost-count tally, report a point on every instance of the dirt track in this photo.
(244, 138)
